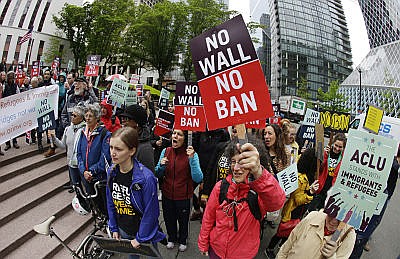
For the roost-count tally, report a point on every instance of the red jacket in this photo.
(217, 228)
(106, 119)
(324, 173)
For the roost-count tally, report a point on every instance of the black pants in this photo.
(176, 211)
(14, 140)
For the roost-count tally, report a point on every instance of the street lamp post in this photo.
(359, 91)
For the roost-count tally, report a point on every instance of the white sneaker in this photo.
(182, 248)
(170, 245)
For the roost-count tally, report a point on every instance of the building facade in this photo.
(376, 80)
(310, 40)
(264, 52)
(17, 16)
(382, 20)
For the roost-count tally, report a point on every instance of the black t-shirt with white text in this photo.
(128, 218)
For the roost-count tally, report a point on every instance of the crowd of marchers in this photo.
(239, 193)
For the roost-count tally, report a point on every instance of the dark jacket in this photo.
(144, 200)
(93, 153)
(72, 101)
(10, 89)
(179, 174)
(145, 152)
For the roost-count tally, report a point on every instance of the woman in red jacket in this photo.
(230, 229)
(110, 121)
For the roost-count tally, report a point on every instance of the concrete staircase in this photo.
(30, 192)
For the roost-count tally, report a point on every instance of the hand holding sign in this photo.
(249, 159)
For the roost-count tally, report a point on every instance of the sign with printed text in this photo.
(311, 117)
(230, 75)
(134, 79)
(46, 122)
(335, 121)
(131, 96)
(35, 71)
(18, 112)
(289, 179)
(307, 133)
(358, 192)
(164, 98)
(276, 107)
(139, 90)
(70, 65)
(164, 124)
(257, 124)
(189, 112)
(117, 92)
(55, 67)
(373, 119)
(92, 65)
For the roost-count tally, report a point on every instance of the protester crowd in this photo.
(238, 187)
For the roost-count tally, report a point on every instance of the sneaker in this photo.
(182, 248)
(269, 253)
(170, 245)
(7, 147)
(16, 146)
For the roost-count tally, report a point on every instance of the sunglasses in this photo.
(74, 115)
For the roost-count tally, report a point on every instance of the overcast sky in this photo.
(355, 22)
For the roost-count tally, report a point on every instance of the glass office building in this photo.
(376, 80)
(310, 40)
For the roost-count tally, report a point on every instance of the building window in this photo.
(44, 14)
(40, 50)
(26, 8)
(33, 17)
(14, 13)
(17, 50)
(3, 14)
(7, 46)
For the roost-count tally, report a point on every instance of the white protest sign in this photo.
(117, 92)
(311, 117)
(358, 191)
(18, 112)
(289, 179)
(131, 97)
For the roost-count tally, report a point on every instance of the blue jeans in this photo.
(125, 235)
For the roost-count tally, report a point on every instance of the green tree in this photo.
(304, 92)
(332, 100)
(53, 50)
(74, 21)
(202, 16)
(109, 22)
(388, 102)
(160, 32)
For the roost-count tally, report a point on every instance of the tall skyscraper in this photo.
(310, 40)
(382, 20)
(377, 80)
(264, 52)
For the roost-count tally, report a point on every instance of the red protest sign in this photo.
(164, 124)
(189, 111)
(258, 124)
(139, 90)
(35, 71)
(92, 65)
(230, 75)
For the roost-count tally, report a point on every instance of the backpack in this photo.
(251, 199)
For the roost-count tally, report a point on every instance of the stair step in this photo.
(28, 198)
(19, 229)
(31, 177)
(19, 167)
(67, 227)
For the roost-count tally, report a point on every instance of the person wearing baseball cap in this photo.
(135, 116)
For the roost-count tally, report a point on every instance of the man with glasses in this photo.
(80, 95)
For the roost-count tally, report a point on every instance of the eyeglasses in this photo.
(74, 115)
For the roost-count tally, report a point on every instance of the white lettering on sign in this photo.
(190, 122)
(235, 80)
(191, 89)
(190, 100)
(189, 111)
(235, 106)
(223, 39)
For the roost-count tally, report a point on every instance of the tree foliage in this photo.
(332, 100)
(53, 50)
(74, 21)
